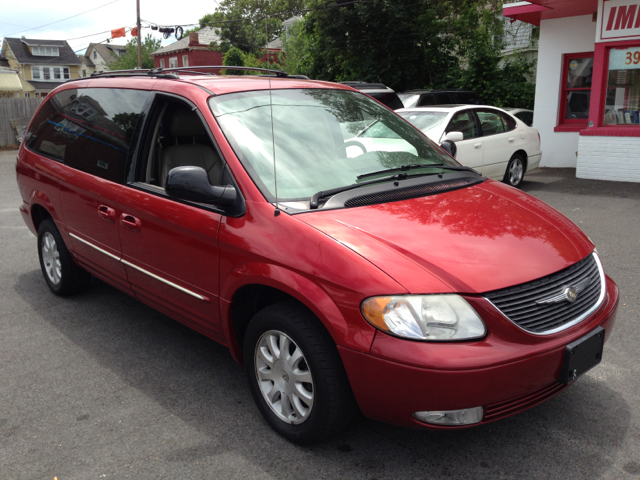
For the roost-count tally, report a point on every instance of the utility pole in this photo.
(139, 34)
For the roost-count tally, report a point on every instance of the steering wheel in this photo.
(355, 143)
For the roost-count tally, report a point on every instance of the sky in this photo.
(29, 18)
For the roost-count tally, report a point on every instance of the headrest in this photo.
(185, 123)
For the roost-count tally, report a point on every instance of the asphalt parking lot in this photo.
(101, 386)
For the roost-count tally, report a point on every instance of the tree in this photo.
(233, 57)
(250, 24)
(130, 59)
(499, 83)
(404, 43)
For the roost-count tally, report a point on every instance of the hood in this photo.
(474, 240)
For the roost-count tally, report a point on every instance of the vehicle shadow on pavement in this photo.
(564, 181)
(576, 434)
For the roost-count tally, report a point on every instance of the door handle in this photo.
(477, 145)
(107, 213)
(511, 140)
(130, 222)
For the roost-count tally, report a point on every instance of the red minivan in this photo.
(382, 277)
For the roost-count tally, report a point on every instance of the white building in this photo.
(587, 104)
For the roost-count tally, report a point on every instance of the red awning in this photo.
(535, 10)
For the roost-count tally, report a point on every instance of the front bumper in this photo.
(507, 372)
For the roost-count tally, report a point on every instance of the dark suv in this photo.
(380, 92)
(421, 98)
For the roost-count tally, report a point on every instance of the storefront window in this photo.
(622, 103)
(576, 94)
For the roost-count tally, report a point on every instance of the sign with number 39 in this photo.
(624, 58)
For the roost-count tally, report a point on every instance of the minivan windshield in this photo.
(324, 139)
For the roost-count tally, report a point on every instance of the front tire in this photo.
(60, 272)
(296, 376)
(515, 171)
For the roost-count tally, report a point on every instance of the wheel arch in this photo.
(525, 157)
(38, 214)
(41, 208)
(256, 286)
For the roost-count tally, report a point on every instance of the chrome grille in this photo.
(540, 307)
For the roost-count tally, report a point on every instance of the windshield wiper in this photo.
(410, 166)
(367, 127)
(328, 193)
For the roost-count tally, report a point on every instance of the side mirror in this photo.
(449, 147)
(454, 136)
(192, 183)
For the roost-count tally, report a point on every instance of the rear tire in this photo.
(60, 272)
(296, 375)
(515, 171)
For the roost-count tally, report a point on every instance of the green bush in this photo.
(233, 57)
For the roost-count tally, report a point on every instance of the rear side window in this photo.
(494, 122)
(526, 117)
(468, 98)
(89, 129)
(428, 99)
(444, 99)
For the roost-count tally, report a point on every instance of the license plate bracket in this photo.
(582, 355)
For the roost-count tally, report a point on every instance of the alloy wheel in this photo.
(516, 171)
(284, 377)
(51, 258)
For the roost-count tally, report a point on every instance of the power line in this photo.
(127, 29)
(14, 25)
(91, 35)
(58, 21)
(333, 5)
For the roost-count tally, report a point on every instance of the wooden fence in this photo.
(16, 110)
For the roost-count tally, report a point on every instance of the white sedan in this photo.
(488, 139)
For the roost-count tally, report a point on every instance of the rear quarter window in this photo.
(89, 129)
(526, 117)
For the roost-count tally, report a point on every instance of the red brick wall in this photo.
(196, 57)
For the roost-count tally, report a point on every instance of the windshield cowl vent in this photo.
(414, 191)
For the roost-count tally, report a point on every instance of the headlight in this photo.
(424, 317)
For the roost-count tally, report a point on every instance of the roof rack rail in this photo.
(172, 73)
(277, 73)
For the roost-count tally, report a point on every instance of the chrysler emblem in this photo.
(568, 294)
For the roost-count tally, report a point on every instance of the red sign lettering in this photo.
(612, 16)
(624, 18)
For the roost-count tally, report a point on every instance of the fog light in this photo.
(466, 416)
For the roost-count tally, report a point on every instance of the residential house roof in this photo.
(86, 60)
(20, 48)
(109, 52)
(205, 37)
(277, 43)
